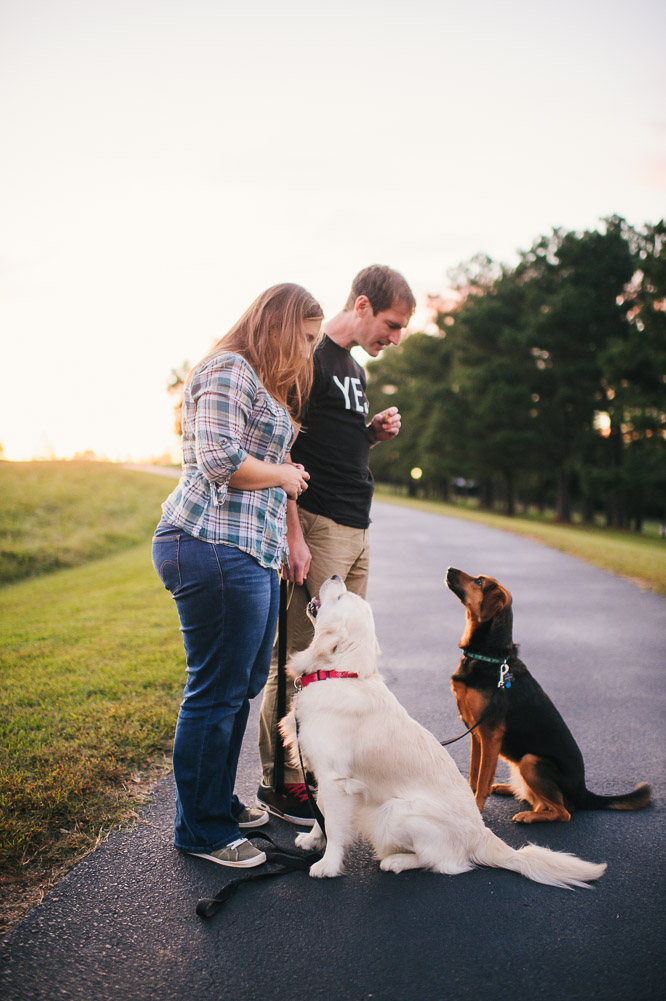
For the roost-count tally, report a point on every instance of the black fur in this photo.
(523, 715)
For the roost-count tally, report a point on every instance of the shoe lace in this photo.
(298, 791)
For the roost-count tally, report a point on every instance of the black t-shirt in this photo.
(333, 443)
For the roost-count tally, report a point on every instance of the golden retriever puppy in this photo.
(379, 773)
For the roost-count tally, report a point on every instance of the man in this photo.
(328, 526)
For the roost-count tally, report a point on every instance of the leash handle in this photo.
(286, 859)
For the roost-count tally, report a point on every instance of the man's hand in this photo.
(296, 570)
(384, 426)
(299, 563)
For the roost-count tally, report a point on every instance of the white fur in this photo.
(380, 774)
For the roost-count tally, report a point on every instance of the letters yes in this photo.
(352, 385)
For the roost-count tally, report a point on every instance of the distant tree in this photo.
(175, 388)
(493, 377)
(574, 284)
(633, 471)
(545, 382)
(415, 378)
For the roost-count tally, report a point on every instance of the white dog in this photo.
(380, 773)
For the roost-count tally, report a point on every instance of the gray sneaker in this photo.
(240, 854)
(251, 817)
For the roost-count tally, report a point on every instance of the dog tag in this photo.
(505, 677)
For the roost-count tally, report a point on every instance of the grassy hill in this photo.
(63, 514)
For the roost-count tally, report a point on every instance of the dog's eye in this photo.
(478, 580)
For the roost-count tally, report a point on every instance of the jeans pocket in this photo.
(166, 552)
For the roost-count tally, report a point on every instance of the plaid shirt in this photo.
(228, 415)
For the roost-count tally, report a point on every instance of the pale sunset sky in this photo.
(164, 161)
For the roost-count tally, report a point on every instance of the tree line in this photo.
(544, 384)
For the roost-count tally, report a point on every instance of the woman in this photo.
(217, 549)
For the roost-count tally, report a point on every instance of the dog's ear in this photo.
(347, 649)
(327, 642)
(299, 663)
(494, 601)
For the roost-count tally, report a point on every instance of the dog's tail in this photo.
(540, 864)
(634, 800)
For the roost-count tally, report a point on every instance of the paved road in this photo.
(122, 924)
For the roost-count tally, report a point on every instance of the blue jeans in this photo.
(228, 606)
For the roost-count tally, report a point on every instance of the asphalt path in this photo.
(122, 924)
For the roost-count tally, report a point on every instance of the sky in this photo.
(164, 161)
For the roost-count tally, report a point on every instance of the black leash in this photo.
(286, 859)
(316, 812)
(281, 694)
(505, 679)
(479, 721)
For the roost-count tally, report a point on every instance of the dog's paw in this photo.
(323, 869)
(502, 789)
(398, 862)
(526, 817)
(391, 864)
(309, 841)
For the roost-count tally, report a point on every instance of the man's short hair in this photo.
(383, 286)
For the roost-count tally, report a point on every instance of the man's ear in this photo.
(362, 306)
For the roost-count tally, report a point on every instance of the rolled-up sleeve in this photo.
(223, 395)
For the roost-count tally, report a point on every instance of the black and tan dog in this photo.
(520, 724)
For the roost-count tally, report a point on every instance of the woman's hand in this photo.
(254, 474)
(295, 479)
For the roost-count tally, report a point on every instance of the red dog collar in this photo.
(307, 679)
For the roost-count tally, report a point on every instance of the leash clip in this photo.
(505, 677)
(298, 684)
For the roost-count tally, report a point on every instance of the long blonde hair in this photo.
(270, 336)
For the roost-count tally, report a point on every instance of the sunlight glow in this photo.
(144, 209)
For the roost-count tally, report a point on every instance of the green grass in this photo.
(637, 557)
(92, 673)
(63, 514)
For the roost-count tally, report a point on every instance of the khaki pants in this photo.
(336, 549)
